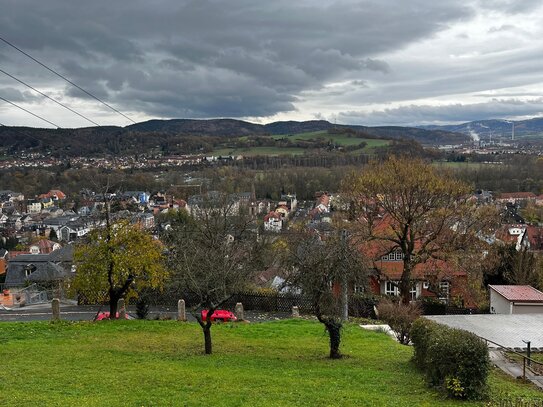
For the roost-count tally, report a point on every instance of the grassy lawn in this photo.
(160, 363)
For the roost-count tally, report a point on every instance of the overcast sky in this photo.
(370, 62)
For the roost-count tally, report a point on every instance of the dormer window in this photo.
(29, 269)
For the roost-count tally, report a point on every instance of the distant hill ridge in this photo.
(496, 127)
(190, 135)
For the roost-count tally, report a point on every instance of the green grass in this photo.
(258, 151)
(341, 139)
(152, 363)
(461, 165)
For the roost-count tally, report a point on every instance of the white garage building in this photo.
(515, 299)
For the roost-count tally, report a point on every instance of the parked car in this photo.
(221, 315)
(105, 315)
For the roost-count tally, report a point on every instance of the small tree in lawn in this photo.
(320, 268)
(116, 262)
(210, 257)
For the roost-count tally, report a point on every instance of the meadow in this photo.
(161, 363)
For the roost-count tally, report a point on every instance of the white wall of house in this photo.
(498, 304)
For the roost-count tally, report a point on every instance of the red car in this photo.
(221, 315)
(105, 315)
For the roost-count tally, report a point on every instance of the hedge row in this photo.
(453, 359)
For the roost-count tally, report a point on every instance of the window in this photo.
(399, 255)
(358, 289)
(444, 289)
(413, 291)
(426, 285)
(391, 288)
(29, 269)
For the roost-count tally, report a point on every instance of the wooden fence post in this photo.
(55, 304)
(240, 315)
(122, 309)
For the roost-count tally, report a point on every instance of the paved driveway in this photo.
(507, 330)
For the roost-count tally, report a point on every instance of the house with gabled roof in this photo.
(433, 278)
(515, 299)
(40, 268)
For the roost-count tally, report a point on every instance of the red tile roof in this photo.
(518, 293)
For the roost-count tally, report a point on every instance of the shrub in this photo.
(362, 305)
(420, 334)
(399, 317)
(432, 306)
(453, 359)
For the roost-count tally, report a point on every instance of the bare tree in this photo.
(405, 205)
(319, 268)
(210, 257)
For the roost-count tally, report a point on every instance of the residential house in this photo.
(515, 299)
(73, 230)
(139, 197)
(44, 246)
(517, 197)
(514, 234)
(434, 278)
(55, 195)
(33, 206)
(47, 269)
(273, 222)
(290, 201)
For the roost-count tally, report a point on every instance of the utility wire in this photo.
(66, 79)
(20, 132)
(48, 97)
(29, 112)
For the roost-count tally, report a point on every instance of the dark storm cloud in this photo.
(207, 58)
(15, 95)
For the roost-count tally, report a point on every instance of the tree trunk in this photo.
(405, 291)
(207, 339)
(334, 331)
(113, 302)
(405, 283)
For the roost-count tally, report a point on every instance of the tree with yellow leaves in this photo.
(116, 262)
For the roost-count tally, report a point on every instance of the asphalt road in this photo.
(42, 312)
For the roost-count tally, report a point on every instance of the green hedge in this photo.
(452, 359)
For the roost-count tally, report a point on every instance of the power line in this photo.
(20, 132)
(66, 79)
(48, 97)
(29, 112)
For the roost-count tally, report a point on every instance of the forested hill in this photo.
(183, 136)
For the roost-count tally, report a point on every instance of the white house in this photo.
(515, 299)
(273, 222)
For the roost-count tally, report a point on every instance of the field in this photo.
(258, 151)
(341, 139)
(160, 363)
(338, 139)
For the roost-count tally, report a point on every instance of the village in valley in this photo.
(255, 203)
(39, 233)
